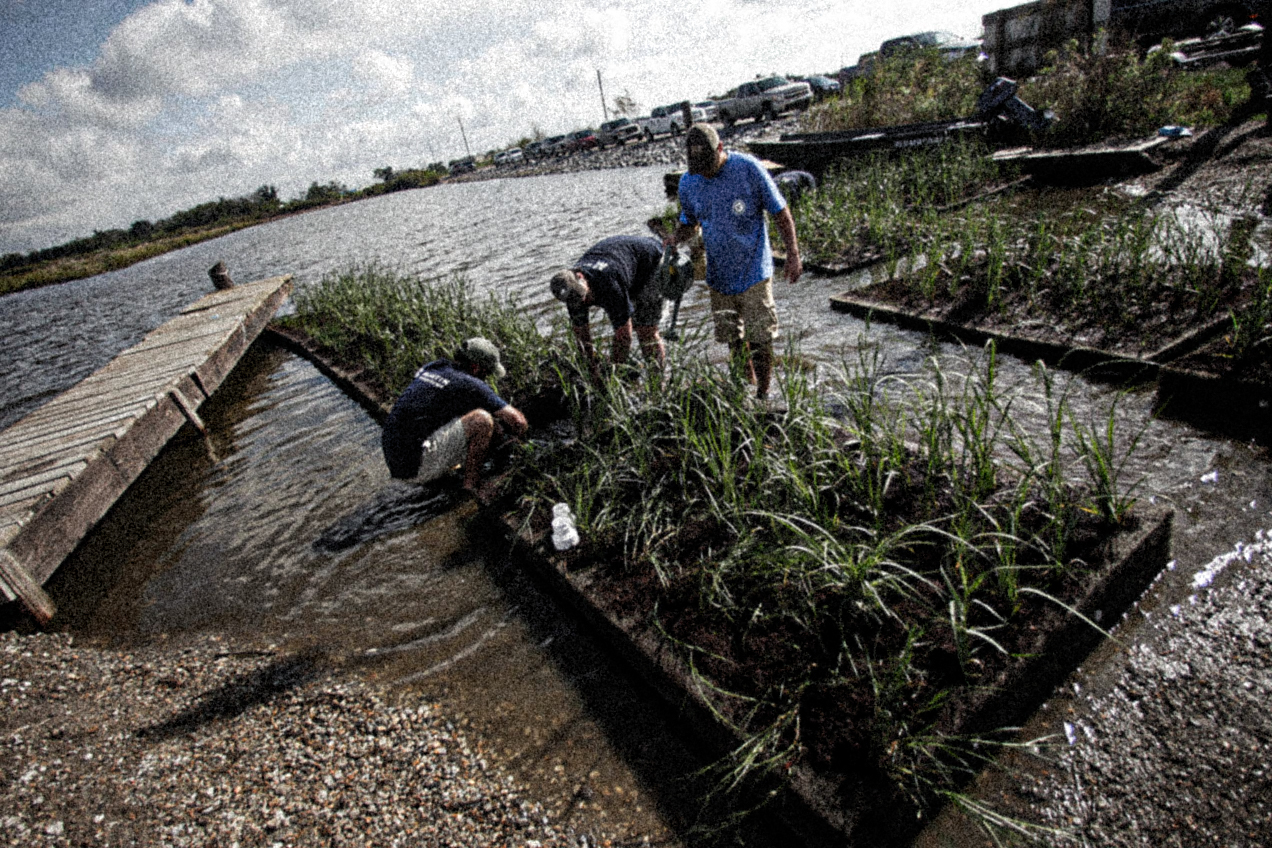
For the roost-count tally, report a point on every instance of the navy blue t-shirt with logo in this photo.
(438, 393)
(617, 269)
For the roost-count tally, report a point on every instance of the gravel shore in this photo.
(1175, 751)
(208, 744)
(667, 150)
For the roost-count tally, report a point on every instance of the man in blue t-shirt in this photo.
(618, 275)
(728, 194)
(448, 416)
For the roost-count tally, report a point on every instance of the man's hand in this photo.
(794, 267)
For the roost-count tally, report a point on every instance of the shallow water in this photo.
(283, 526)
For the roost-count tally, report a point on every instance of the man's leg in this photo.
(762, 359)
(651, 345)
(479, 427)
(759, 319)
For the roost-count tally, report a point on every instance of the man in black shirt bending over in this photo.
(618, 275)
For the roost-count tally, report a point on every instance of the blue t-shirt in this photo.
(438, 393)
(730, 207)
(617, 270)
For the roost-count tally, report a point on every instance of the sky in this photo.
(115, 111)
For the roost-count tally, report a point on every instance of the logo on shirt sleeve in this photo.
(739, 207)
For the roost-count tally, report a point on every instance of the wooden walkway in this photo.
(64, 465)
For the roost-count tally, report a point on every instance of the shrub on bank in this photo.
(1116, 94)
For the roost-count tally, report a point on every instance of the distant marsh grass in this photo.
(1097, 95)
(390, 323)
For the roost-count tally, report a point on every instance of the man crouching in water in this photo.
(448, 416)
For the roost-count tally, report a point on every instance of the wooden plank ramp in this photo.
(65, 464)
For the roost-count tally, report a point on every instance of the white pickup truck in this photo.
(764, 99)
(664, 120)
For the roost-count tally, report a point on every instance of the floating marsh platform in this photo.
(65, 464)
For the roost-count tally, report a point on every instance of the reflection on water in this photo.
(284, 525)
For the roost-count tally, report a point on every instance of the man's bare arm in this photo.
(786, 226)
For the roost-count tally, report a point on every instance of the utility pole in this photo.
(604, 108)
(465, 135)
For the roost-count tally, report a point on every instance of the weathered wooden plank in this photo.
(66, 463)
(195, 338)
(51, 482)
(17, 584)
(45, 465)
(19, 513)
(32, 441)
(59, 523)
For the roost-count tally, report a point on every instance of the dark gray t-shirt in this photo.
(617, 270)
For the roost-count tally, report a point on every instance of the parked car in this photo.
(463, 166)
(617, 131)
(949, 45)
(1150, 20)
(511, 156)
(533, 150)
(765, 99)
(669, 119)
(580, 140)
(710, 110)
(822, 87)
(554, 145)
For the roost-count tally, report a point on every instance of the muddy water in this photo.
(283, 526)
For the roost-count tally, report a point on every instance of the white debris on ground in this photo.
(210, 746)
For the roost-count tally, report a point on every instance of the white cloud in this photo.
(188, 101)
(384, 75)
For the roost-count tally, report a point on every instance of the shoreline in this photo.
(662, 151)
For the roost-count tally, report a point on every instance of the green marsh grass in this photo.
(1103, 94)
(1097, 265)
(389, 323)
(864, 552)
(877, 541)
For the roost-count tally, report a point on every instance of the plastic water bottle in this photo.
(564, 534)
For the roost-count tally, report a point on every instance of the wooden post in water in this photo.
(220, 277)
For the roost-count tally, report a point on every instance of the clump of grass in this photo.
(389, 323)
(1118, 93)
(919, 86)
(1113, 92)
(1252, 323)
(877, 204)
(1121, 274)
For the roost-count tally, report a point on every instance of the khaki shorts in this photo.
(446, 448)
(750, 316)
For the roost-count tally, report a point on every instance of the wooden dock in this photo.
(65, 464)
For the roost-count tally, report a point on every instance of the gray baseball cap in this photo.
(566, 287)
(482, 352)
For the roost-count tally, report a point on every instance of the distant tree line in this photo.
(259, 206)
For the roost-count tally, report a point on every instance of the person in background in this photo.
(617, 274)
(728, 194)
(449, 416)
